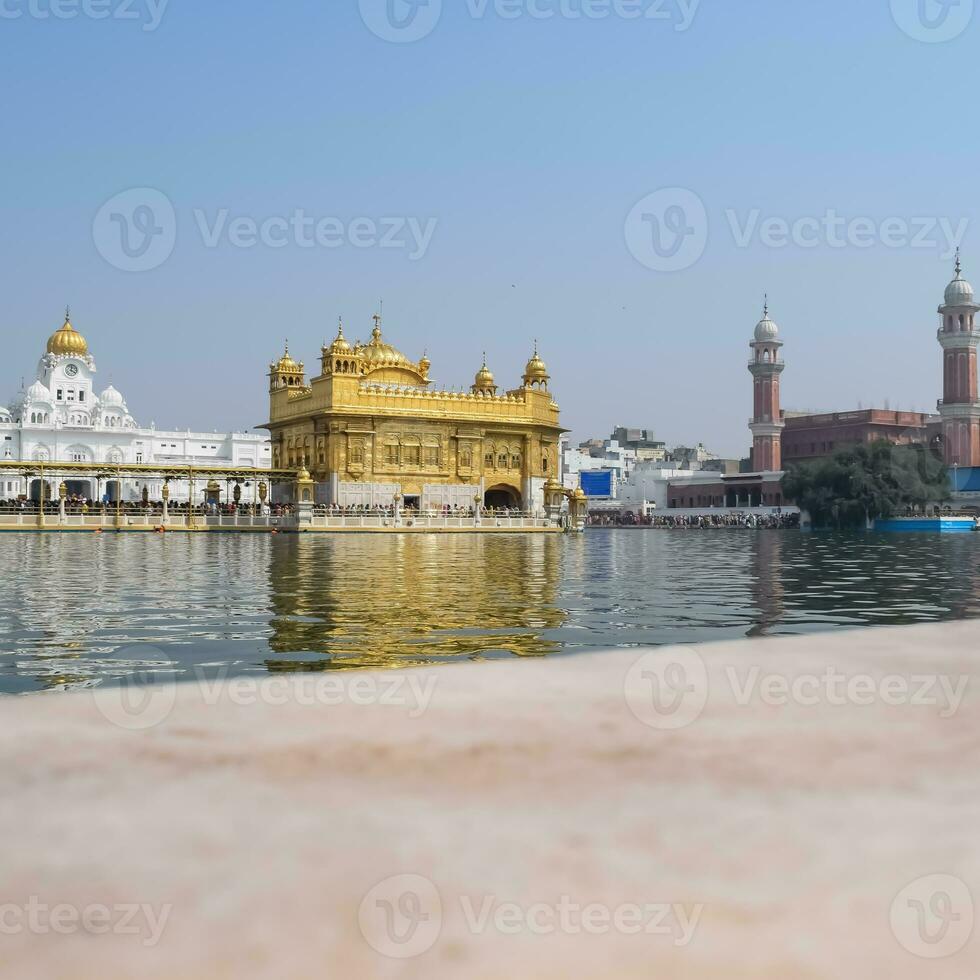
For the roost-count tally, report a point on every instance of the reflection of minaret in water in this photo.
(767, 581)
(767, 421)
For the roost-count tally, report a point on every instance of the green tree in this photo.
(867, 481)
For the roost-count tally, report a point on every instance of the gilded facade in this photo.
(372, 425)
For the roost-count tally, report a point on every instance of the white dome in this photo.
(37, 393)
(959, 292)
(112, 398)
(766, 329)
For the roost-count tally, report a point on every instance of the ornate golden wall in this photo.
(373, 418)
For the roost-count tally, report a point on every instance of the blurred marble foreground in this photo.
(781, 808)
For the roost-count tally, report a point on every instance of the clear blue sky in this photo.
(528, 141)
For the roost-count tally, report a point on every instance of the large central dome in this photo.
(387, 364)
(382, 354)
(67, 341)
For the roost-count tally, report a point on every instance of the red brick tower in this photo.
(960, 408)
(767, 419)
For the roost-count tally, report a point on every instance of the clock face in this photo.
(71, 370)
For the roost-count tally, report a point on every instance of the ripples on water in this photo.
(77, 609)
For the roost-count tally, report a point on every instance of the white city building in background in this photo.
(60, 418)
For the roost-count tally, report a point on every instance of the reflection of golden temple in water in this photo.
(359, 602)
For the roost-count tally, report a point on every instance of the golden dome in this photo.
(536, 369)
(340, 344)
(67, 340)
(286, 363)
(484, 377)
(379, 353)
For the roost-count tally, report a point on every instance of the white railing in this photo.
(177, 521)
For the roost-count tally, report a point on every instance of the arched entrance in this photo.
(501, 497)
(35, 493)
(79, 488)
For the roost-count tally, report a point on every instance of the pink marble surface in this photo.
(550, 821)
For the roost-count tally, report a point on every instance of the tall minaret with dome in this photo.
(960, 408)
(767, 422)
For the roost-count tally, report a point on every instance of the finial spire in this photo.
(959, 265)
(765, 307)
(340, 326)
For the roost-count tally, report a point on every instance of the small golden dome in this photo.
(340, 344)
(286, 363)
(67, 340)
(425, 364)
(484, 377)
(536, 369)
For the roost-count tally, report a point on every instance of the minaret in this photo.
(767, 421)
(960, 409)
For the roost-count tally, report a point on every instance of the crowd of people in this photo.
(699, 521)
(76, 505)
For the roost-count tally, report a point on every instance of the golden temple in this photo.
(372, 428)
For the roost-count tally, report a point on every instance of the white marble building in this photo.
(61, 418)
